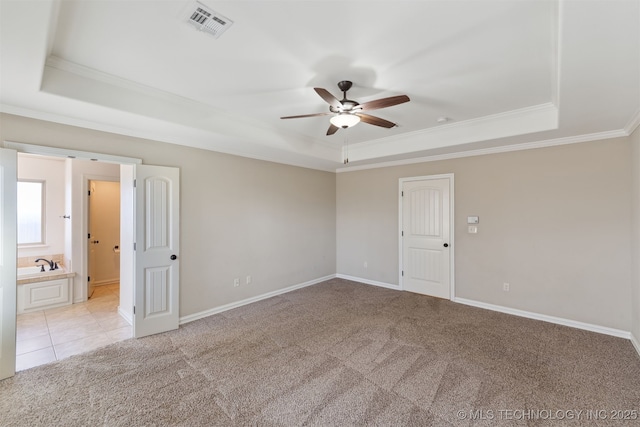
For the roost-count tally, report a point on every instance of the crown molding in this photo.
(462, 125)
(493, 150)
(196, 141)
(633, 123)
(532, 119)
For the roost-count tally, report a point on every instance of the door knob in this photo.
(446, 245)
(173, 257)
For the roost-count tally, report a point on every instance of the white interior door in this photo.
(426, 237)
(157, 253)
(8, 249)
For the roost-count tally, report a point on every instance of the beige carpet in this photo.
(338, 353)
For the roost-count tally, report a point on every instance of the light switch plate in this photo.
(473, 229)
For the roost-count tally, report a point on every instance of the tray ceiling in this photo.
(504, 74)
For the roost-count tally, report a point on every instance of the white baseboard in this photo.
(521, 313)
(636, 343)
(125, 316)
(368, 282)
(220, 309)
(545, 318)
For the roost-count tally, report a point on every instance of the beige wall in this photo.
(555, 223)
(238, 216)
(635, 255)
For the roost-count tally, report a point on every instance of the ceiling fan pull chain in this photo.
(346, 149)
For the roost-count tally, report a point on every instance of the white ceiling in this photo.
(507, 74)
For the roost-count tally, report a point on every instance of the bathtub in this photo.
(41, 290)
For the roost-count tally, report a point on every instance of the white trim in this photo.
(636, 343)
(180, 137)
(628, 129)
(493, 150)
(369, 282)
(125, 316)
(452, 269)
(545, 318)
(472, 125)
(64, 152)
(633, 124)
(515, 123)
(230, 306)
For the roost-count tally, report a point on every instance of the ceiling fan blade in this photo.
(372, 120)
(306, 115)
(384, 102)
(326, 95)
(332, 129)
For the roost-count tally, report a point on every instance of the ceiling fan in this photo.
(346, 113)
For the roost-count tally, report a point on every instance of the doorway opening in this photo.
(150, 216)
(52, 328)
(103, 223)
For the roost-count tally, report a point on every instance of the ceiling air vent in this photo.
(207, 20)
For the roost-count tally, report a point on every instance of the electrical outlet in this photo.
(236, 282)
(505, 287)
(248, 280)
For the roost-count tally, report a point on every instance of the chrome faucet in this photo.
(52, 265)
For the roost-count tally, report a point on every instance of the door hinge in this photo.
(134, 183)
(88, 192)
(134, 246)
(402, 233)
(134, 309)
(402, 273)
(402, 194)
(88, 278)
(88, 235)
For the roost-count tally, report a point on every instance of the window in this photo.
(30, 212)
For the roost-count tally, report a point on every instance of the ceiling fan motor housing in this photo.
(344, 85)
(346, 106)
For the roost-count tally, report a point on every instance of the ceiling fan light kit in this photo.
(345, 120)
(347, 113)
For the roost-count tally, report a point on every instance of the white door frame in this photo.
(450, 177)
(8, 250)
(62, 152)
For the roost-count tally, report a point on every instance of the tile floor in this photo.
(49, 335)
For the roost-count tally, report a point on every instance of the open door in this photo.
(157, 251)
(8, 249)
